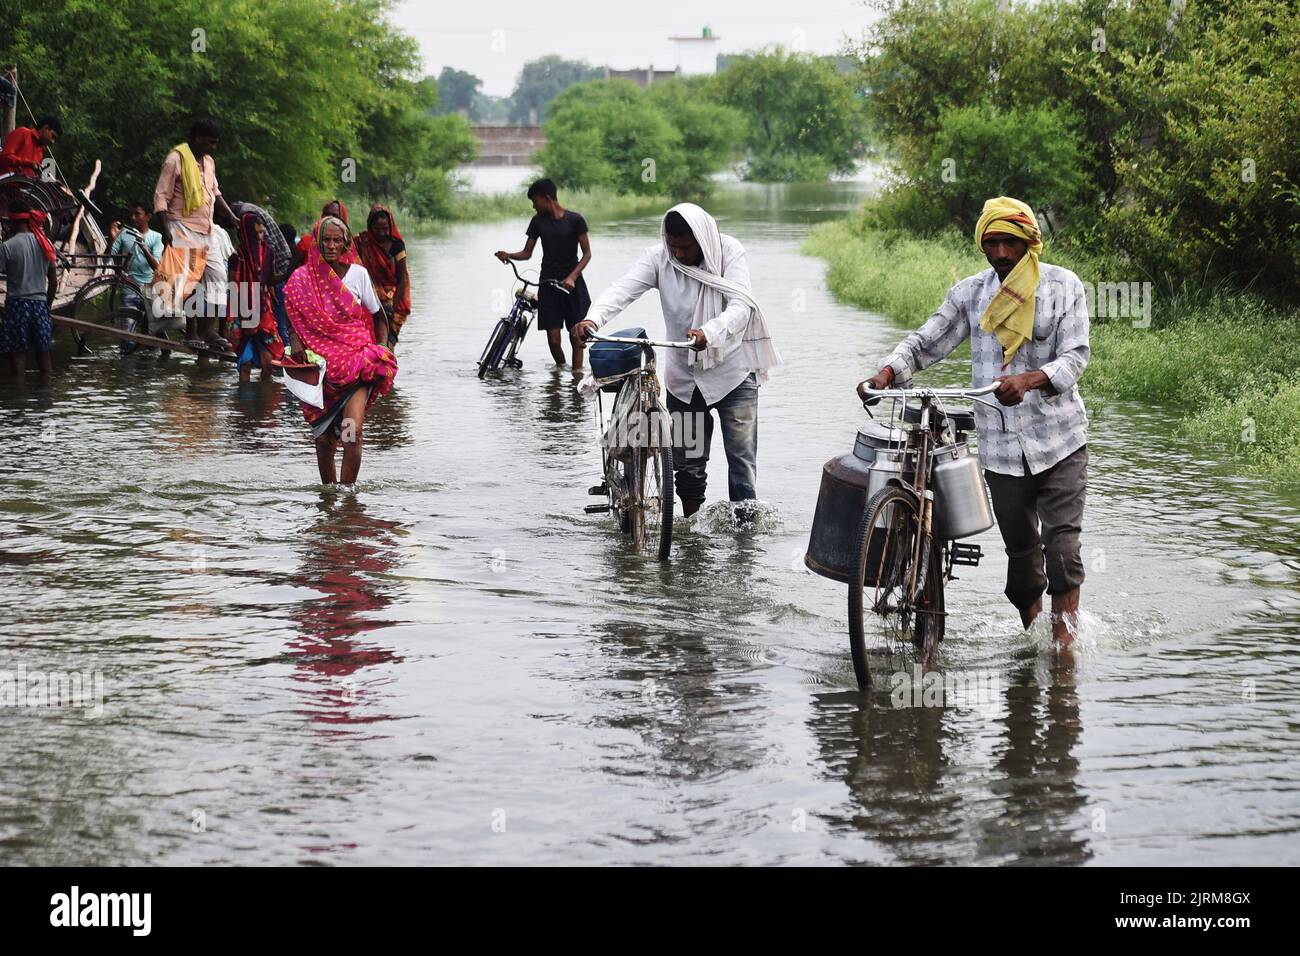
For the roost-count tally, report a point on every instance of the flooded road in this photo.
(455, 664)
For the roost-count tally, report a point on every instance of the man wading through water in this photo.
(703, 282)
(562, 232)
(1028, 326)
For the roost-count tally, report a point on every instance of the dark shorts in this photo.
(26, 325)
(1041, 517)
(557, 310)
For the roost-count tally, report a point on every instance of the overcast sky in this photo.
(494, 39)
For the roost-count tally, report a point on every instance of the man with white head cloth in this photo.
(703, 281)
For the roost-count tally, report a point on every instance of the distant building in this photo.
(641, 77)
(695, 56)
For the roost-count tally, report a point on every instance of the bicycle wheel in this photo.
(884, 554)
(492, 353)
(101, 302)
(657, 502)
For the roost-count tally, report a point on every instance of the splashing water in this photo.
(730, 517)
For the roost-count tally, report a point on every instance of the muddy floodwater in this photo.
(456, 664)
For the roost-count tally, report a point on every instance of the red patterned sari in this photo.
(330, 321)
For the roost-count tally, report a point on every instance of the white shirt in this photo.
(1050, 423)
(357, 281)
(677, 296)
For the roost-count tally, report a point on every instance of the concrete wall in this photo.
(507, 145)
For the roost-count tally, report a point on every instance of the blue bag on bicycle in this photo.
(616, 358)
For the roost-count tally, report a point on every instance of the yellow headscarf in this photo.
(191, 179)
(1010, 315)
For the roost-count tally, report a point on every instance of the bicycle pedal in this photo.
(598, 490)
(967, 554)
(596, 509)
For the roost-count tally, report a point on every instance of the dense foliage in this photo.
(664, 140)
(804, 119)
(1167, 132)
(308, 92)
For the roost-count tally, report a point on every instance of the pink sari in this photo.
(332, 323)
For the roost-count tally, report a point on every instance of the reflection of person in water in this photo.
(347, 557)
(892, 760)
(916, 801)
(255, 419)
(1040, 821)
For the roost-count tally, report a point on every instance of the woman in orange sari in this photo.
(383, 252)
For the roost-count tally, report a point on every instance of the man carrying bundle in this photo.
(1028, 326)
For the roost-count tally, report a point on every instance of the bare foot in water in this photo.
(1065, 617)
(1027, 616)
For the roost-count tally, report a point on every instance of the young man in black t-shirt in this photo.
(562, 232)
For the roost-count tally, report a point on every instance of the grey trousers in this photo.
(1041, 517)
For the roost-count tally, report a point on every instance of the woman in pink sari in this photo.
(335, 313)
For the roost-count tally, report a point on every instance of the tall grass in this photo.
(598, 206)
(1225, 359)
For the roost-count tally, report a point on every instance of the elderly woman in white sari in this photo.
(703, 282)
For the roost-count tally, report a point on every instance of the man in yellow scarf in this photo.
(1028, 327)
(1010, 316)
(189, 200)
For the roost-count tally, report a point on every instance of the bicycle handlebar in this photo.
(906, 393)
(596, 337)
(527, 282)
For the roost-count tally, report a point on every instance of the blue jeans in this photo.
(738, 416)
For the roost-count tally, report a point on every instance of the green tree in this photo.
(297, 86)
(542, 80)
(401, 139)
(666, 140)
(608, 134)
(805, 118)
(1034, 155)
(1184, 119)
(711, 133)
(457, 90)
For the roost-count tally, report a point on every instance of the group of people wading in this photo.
(341, 300)
(1027, 323)
(330, 307)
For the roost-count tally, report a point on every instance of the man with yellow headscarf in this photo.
(189, 201)
(1027, 322)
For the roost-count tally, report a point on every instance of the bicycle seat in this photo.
(958, 421)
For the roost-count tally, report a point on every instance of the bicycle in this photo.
(118, 303)
(906, 546)
(508, 334)
(636, 448)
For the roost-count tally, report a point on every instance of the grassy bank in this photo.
(1223, 358)
(599, 206)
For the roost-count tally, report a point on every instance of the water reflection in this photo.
(347, 557)
(892, 760)
(908, 768)
(1042, 800)
(257, 411)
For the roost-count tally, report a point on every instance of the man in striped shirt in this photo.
(1028, 326)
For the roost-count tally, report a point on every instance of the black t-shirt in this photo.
(559, 242)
